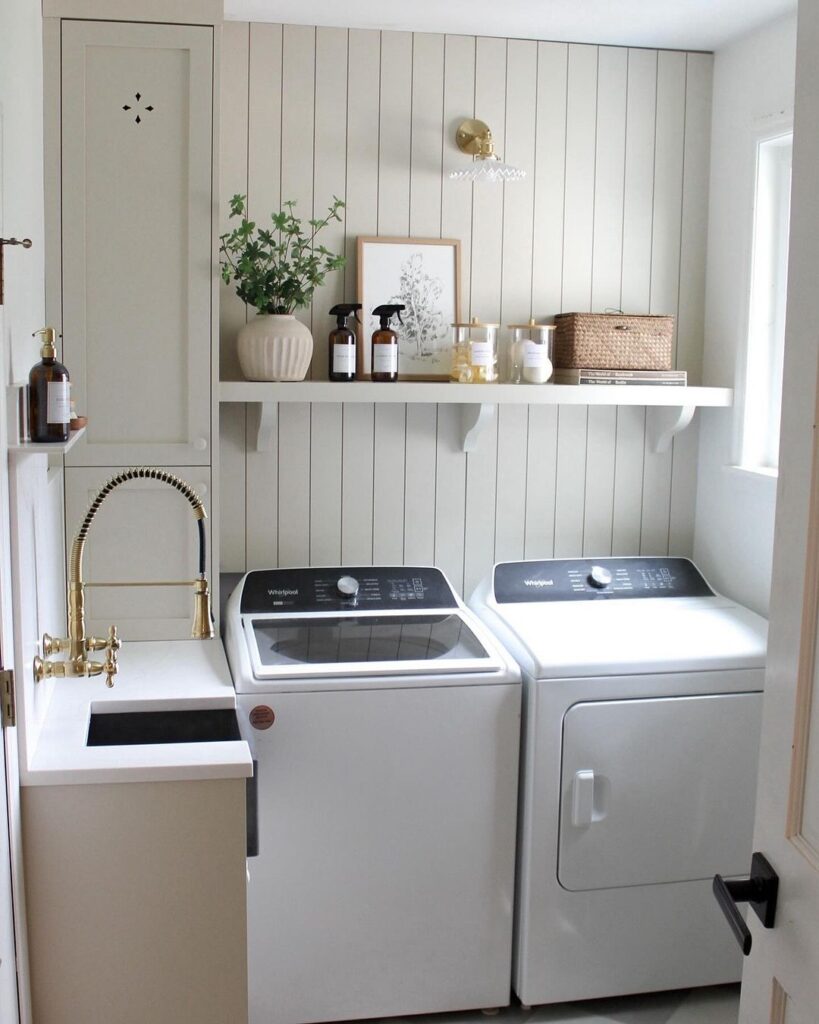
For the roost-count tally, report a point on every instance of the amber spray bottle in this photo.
(342, 347)
(384, 366)
(49, 397)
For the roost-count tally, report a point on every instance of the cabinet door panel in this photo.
(144, 531)
(136, 239)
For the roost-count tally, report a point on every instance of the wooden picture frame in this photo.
(424, 274)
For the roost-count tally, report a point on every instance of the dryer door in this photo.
(656, 791)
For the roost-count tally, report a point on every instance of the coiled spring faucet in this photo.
(77, 645)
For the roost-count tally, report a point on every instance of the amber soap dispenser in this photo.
(49, 394)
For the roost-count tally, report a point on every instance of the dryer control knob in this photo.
(599, 576)
(347, 586)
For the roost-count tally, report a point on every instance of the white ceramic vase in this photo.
(275, 346)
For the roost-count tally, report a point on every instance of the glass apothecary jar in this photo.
(474, 353)
(531, 353)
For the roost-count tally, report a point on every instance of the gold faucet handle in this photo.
(54, 645)
(111, 666)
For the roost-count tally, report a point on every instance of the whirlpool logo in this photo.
(538, 583)
(283, 592)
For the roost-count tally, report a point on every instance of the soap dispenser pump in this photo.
(49, 398)
(385, 344)
(342, 347)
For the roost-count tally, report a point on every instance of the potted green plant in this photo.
(276, 270)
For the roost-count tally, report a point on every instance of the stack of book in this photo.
(678, 378)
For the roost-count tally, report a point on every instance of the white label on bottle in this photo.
(385, 358)
(482, 353)
(58, 407)
(534, 354)
(343, 358)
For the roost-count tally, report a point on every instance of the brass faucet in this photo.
(77, 644)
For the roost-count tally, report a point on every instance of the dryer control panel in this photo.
(581, 579)
(347, 588)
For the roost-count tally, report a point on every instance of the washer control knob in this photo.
(599, 577)
(347, 586)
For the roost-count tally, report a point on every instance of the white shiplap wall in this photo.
(612, 214)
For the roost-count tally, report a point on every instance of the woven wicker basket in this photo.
(613, 341)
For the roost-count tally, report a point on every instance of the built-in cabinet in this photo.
(135, 136)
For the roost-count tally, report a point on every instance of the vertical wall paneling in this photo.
(298, 121)
(612, 213)
(598, 507)
(629, 457)
(541, 477)
(518, 197)
(325, 484)
(581, 119)
(570, 480)
(456, 196)
(363, 85)
(510, 497)
(549, 172)
(294, 484)
(388, 484)
(665, 271)
(357, 484)
(427, 136)
(638, 195)
(330, 179)
(420, 476)
(694, 227)
(450, 496)
(395, 134)
(479, 525)
(232, 446)
(487, 200)
(262, 511)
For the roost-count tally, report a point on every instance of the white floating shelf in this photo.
(675, 406)
(40, 448)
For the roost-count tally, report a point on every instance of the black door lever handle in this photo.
(760, 890)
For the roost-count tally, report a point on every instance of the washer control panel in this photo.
(580, 579)
(347, 588)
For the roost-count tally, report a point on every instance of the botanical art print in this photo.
(422, 275)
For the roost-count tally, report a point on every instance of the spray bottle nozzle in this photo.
(343, 310)
(386, 313)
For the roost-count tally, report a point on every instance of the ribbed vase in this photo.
(275, 346)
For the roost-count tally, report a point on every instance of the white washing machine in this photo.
(642, 706)
(385, 724)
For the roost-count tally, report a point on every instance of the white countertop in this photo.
(153, 676)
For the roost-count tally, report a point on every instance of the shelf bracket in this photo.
(475, 417)
(268, 417)
(668, 421)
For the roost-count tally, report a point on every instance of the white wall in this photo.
(753, 89)
(611, 214)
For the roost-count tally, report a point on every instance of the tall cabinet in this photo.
(131, 215)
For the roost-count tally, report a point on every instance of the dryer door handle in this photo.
(583, 798)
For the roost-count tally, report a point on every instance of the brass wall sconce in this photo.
(475, 138)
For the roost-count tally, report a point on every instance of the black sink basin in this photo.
(120, 728)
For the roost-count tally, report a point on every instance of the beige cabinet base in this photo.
(136, 902)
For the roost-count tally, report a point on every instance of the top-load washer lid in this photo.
(359, 622)
(567, 618)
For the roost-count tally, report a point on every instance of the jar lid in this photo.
(531, 323)
(474, 322)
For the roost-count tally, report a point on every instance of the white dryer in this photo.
(384, 721)
(642, 708)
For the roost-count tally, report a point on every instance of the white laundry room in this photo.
(409, 512)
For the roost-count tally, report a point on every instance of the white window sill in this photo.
(754, 473)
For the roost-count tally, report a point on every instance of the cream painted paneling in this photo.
(615, 142)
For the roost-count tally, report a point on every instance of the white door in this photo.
(781, 976)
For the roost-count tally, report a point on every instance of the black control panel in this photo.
(581, 579)
(361, 588)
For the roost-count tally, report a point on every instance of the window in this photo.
(766, 313)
